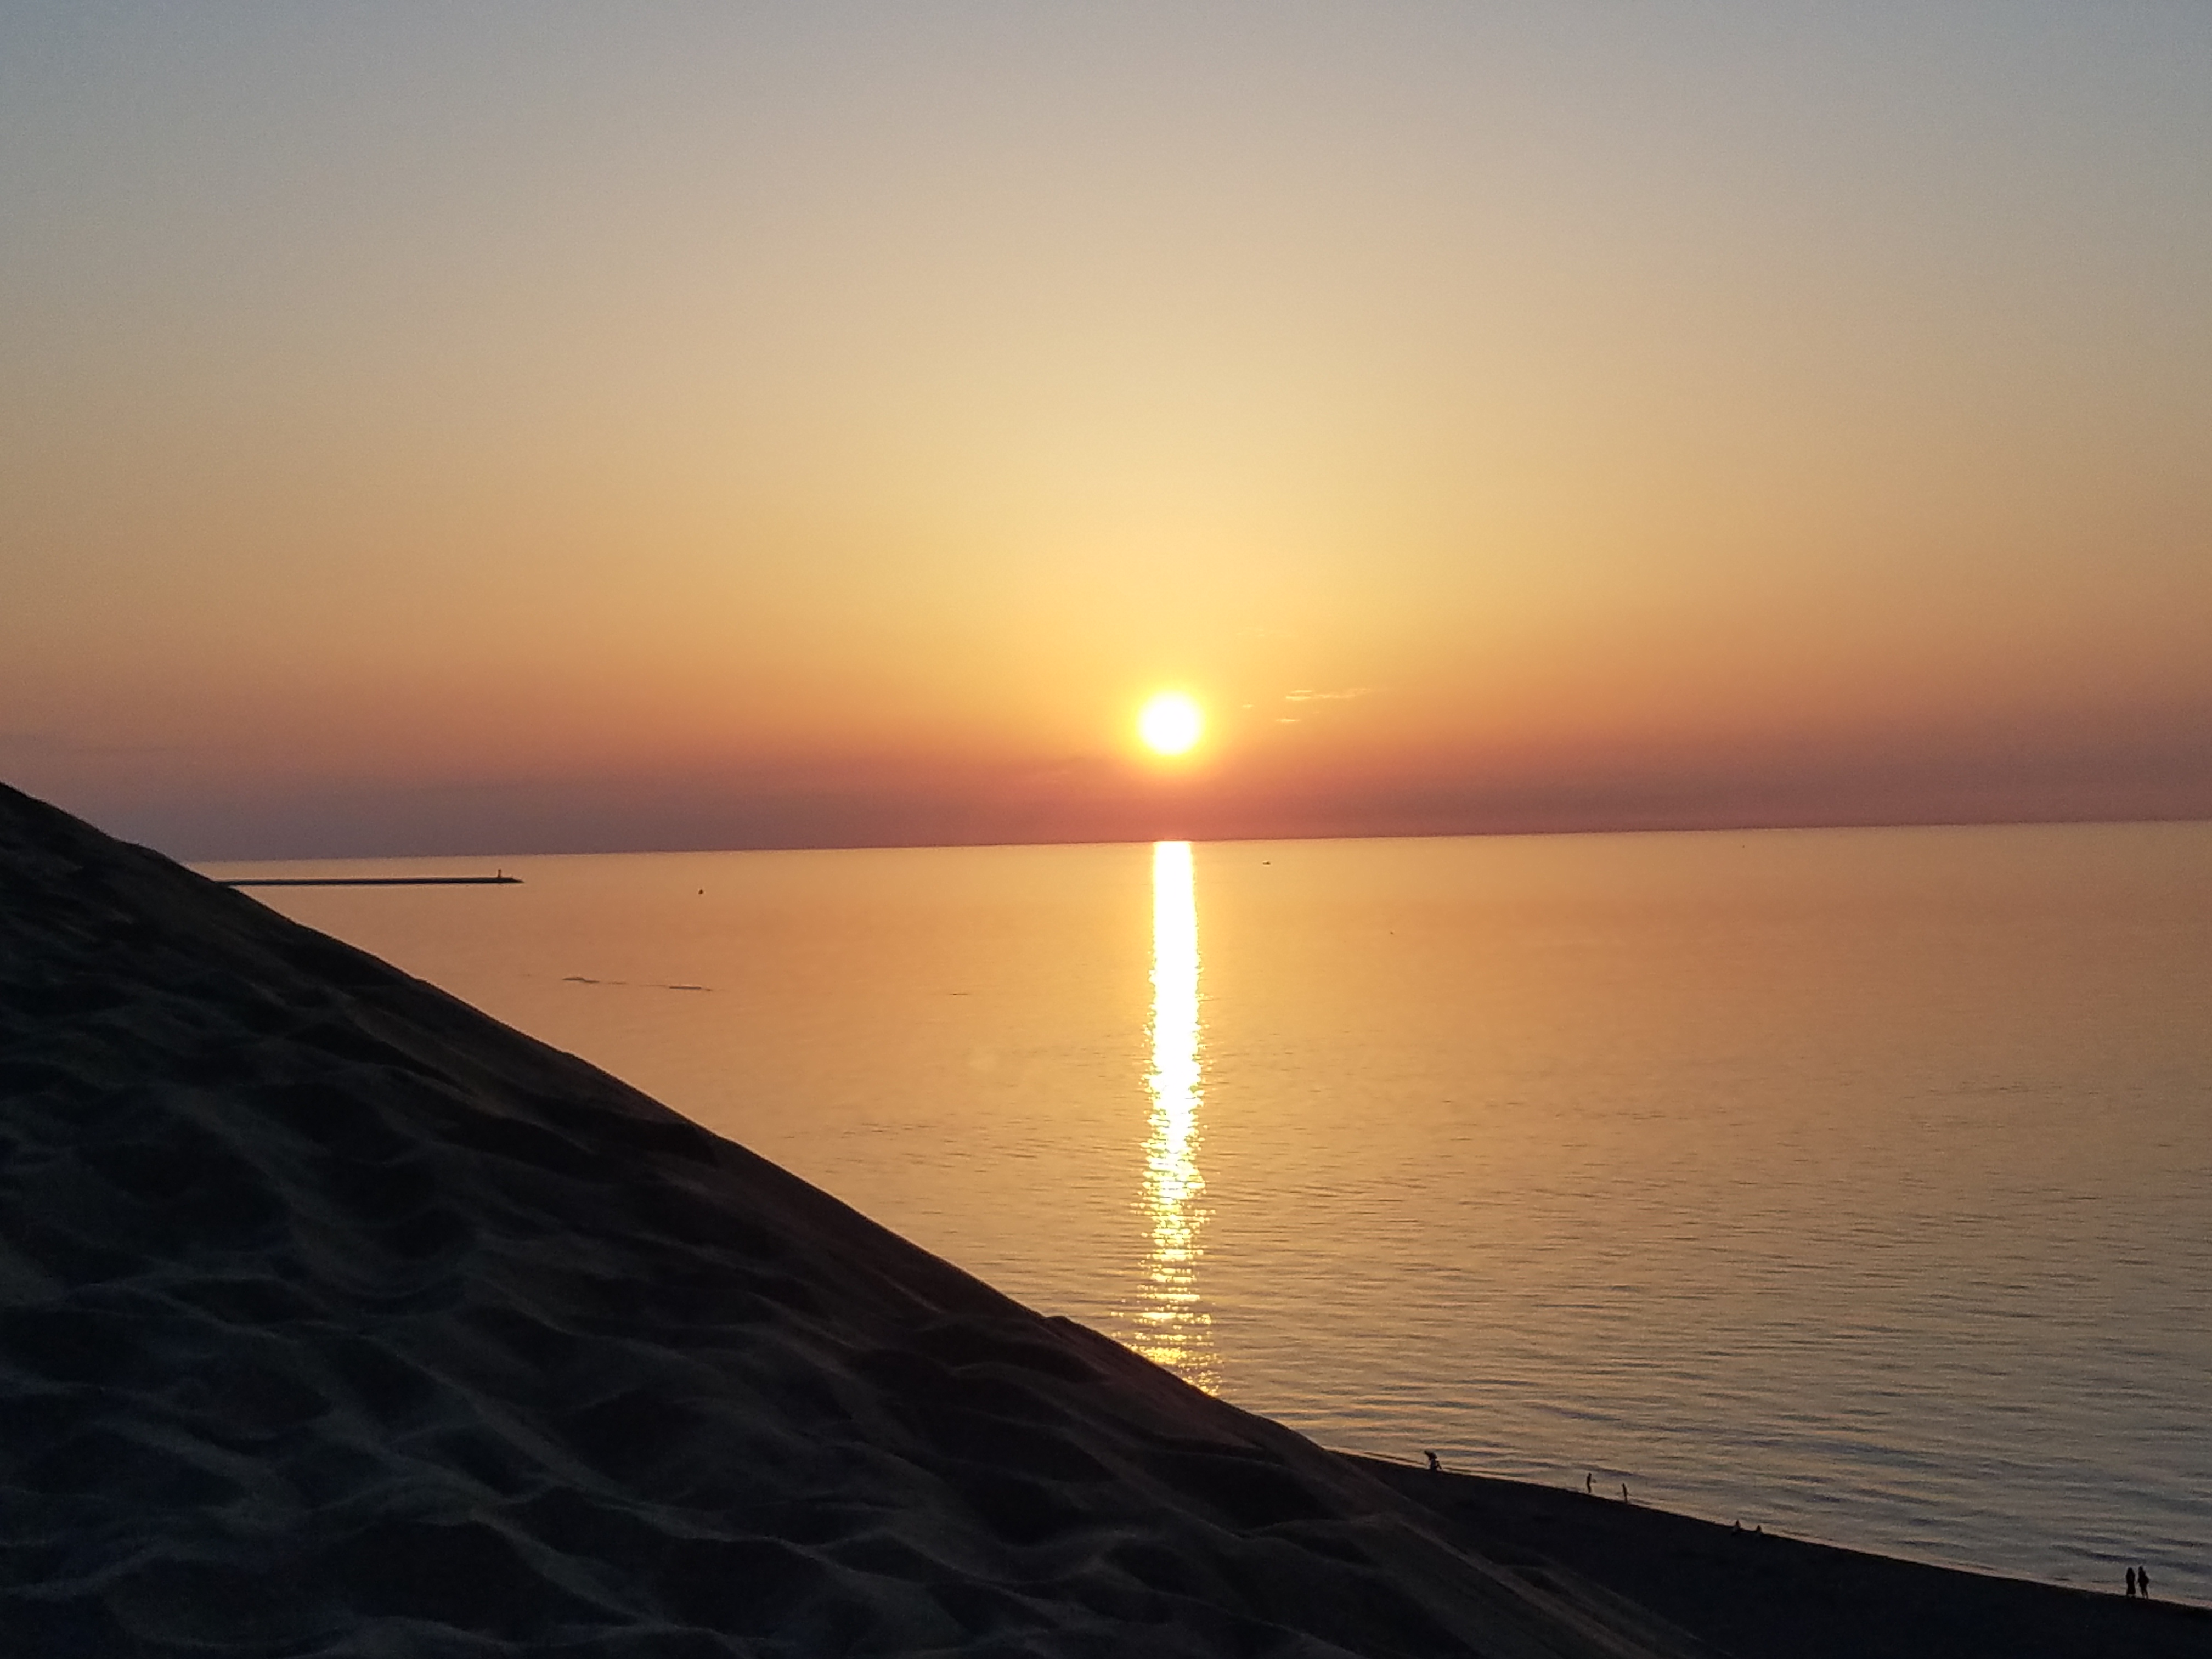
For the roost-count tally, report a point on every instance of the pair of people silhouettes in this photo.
(2139, 1581)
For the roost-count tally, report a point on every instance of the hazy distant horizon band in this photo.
(235, 861)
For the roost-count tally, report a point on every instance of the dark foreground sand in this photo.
(336, 1318)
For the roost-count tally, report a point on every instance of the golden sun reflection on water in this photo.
(1172, 1326)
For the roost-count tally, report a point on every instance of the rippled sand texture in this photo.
(336, 1318)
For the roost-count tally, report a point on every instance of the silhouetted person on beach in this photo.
(2143, 1583)
(1624, 1491)
(1590, 1485)
(1435, 1468)
(2131, 1583)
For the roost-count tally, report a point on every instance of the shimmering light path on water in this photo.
(1171, 1324)
(1857, 1184)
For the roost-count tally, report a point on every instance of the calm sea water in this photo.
(1857, 1184)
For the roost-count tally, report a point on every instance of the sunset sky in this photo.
(538, 426)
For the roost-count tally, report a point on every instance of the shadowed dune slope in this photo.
(336, 1318)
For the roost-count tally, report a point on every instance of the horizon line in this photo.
(1825, 826)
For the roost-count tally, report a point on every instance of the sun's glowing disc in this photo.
(1170, 724)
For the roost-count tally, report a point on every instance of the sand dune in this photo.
(339, 1319)
(336, 1318)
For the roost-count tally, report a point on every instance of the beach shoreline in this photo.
(1758, 1592)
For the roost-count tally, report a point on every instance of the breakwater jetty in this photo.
(501, 879)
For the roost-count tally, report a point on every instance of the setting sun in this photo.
(1170, 724)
